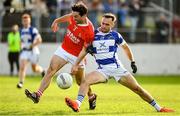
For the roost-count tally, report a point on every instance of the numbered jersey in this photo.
(28, 35)
(78, 36)
(105, 48)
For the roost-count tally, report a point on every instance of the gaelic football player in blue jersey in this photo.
(104, 50)
(30, 40)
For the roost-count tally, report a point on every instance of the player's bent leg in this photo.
(22, 72)
(92, 96)
(38, 69)
(79, 75)
(92, 78)
(130, 82)
(55, 64)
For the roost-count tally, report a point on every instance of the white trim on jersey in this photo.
(123, 42)
(104, 55)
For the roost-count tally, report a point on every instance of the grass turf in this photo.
(113, 98)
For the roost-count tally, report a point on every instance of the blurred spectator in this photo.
(1, 16)
(28, 5)
(111, 6)
(64, 6)
(134, 9)
(162, 29)
(95, 7)
(7, 6)
(39, 9)
(122, 12)
(51, 5)
(143, 4)
(1, 6)
(14, 48)
(176, 29)
(17, 6)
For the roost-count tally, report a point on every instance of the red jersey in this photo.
(77, 36)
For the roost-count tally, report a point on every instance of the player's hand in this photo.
(90, 49)
(74, 69)
(31, 47)
(134, 67)
(54, 27)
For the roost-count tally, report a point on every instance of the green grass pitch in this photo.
(113, 98)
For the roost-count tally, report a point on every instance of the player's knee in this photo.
(22, 68)
(34, 68)
(78, 82)
(88, 81)
(85, 82)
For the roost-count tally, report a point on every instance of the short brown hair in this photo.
(26, 15)
(81, 8)
(110, 15)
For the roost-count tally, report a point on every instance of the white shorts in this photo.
(30, 56)
(67, 56)
(115, 73)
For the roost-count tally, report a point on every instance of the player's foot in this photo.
(166, 110)
(72, 104)
(92, 102)
(19, 85)
(33, 96)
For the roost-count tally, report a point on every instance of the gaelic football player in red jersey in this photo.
(80, 33)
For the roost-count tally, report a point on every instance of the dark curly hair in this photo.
(81, 8)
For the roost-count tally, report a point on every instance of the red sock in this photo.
(39, 93)
(91, 96)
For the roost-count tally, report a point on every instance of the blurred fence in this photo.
(154, 59)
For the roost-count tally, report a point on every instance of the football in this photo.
(64, 80)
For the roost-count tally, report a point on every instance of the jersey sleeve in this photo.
(35, 33)
(72, 21)
(120, 40)
(88, 38)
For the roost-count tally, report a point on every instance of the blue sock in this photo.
(79, 99)
(155, 105)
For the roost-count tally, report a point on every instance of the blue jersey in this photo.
(105, 48)
(27, 36)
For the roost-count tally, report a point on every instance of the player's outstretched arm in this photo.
(65, 18)
(128, 52)
(81, 56)
(130, 57)
(36, 41)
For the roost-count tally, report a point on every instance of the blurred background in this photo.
(152, 27)
(139, 21)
